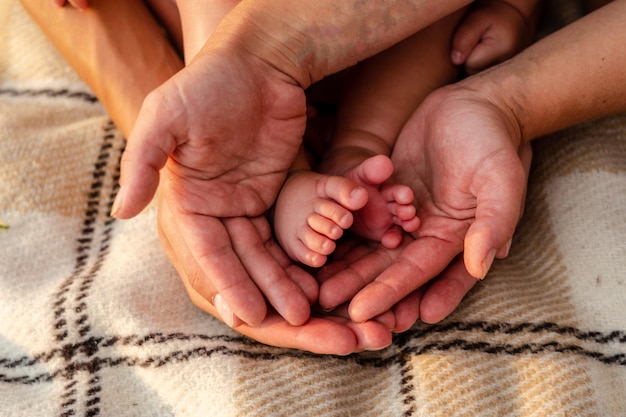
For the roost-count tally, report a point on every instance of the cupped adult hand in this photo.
(226, 128)
(331, 333)
(234, 263)
(363, 261)
(219, 137)
(460, 153)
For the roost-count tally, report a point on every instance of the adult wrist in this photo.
(508, 93)
(262, 33)
(308, 41)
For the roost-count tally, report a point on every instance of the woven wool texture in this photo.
(95, 322)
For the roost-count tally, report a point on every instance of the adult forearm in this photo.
(574, 75)
(117, 47)
(309, 40)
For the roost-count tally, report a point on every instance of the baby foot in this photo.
(311, 213)
(389, 209)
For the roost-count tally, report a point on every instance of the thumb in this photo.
(499, 208)
(148, 149)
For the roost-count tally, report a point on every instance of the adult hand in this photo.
(357, 262)
(234, 263)
(232, 121)
(221, 154)
(362, 263)
(226, 129)
(324, 334)
(459, 153)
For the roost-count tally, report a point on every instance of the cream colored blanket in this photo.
(95, 322)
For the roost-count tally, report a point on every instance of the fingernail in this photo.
(457, 57)
(117, 203)
(115, 209)
(358, 192)
(224, 311)
(507, 247)
(487, 262)
(376, 348)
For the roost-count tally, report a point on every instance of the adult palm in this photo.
(226, 129)
(223, 133)
(459, 154)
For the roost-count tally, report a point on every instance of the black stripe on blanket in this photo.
(560, 339)
(72, 322)
(81, 354)
(209, 346)
(49, 92)
(80, 357)
(91, 354)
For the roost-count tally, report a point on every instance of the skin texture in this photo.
(533, 94)
(494, 31)
(312, 209)
(463, 165)
(229, 125)
(122, 79)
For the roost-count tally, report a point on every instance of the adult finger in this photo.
(78, 4)
(499, 204)
(269, 276)
(327, 334)
(444, 294)
(387, 319)
(148, 149)
(407, 311)
(347, 251)
(355, 273)
(419, 262)
(318, 335)
(208, 245)
(180, 256)
(304, 280)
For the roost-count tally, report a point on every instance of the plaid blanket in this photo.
(95, 322)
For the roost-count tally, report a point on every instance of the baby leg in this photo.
(190, 20)
(199, 20)
(167, 13)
